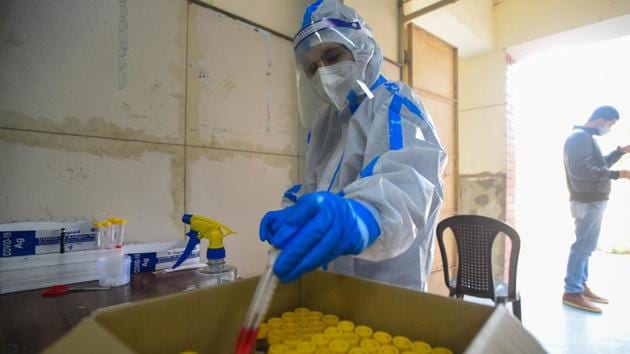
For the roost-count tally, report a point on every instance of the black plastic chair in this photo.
(474, 236)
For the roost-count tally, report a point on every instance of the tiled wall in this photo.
(145, 109)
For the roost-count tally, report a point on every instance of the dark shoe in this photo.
(591, 296)
(579, 302)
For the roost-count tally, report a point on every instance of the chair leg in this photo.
(516, 308)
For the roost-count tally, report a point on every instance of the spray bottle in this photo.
(216, 272)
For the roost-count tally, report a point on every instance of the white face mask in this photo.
(603, 130)
(333, 83)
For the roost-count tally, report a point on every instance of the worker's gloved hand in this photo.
(270, 223)
(320, 227)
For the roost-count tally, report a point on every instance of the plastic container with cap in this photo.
(216, 271)
(321, 340)
(113, 270)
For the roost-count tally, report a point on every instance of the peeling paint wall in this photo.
(145, 109)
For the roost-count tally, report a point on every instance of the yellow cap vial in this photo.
(441, 350)
(346, 326)
(357, 351)
(401, 342)
(330, 320)
(321, 340)
(316, 326)
(291, 340)
(306, 347)
(363, 331)
(263, 329)
(420, 347)
(315, 315)
(278, 349)
(302, 310)
(338, 346)
(275, 323)
(323, 351)
(290, 327)
(388, 349)
(333, 332)
(382, 337)
(370, 345)
(275, 336)
(351, 338)
(289, 316)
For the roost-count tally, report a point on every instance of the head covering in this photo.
(606, 113)
(366, 51)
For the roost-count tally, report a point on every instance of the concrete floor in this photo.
(562, 329)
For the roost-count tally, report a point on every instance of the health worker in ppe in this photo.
(372, 189)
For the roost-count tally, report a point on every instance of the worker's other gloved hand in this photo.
(320, 227)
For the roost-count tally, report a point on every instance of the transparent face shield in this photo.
(327, 68)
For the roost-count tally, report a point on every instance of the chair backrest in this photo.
(474, 236)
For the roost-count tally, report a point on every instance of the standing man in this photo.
(372, 189)
(588, 178)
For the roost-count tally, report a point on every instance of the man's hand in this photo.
(625, 149)
(624, 174)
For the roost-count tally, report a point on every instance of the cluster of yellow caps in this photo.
(110, 222)
(303, 331)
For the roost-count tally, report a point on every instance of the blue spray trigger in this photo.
(193, 241)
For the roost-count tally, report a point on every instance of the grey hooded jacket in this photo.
(587, 169)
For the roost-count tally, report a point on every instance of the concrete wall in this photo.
(101, 115)
(147, 109)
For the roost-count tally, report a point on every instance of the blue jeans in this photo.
(588, 221)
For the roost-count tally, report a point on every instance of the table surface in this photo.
(29, 322)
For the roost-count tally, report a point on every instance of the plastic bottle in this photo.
(217, 271)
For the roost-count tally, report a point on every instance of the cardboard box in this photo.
(208, 320)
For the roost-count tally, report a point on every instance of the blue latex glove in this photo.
(320, 227)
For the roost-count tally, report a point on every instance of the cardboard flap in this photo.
(503, 333)
(439, 320)
(88, 337)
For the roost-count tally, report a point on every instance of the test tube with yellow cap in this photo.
(108, 235)
(118, 227)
